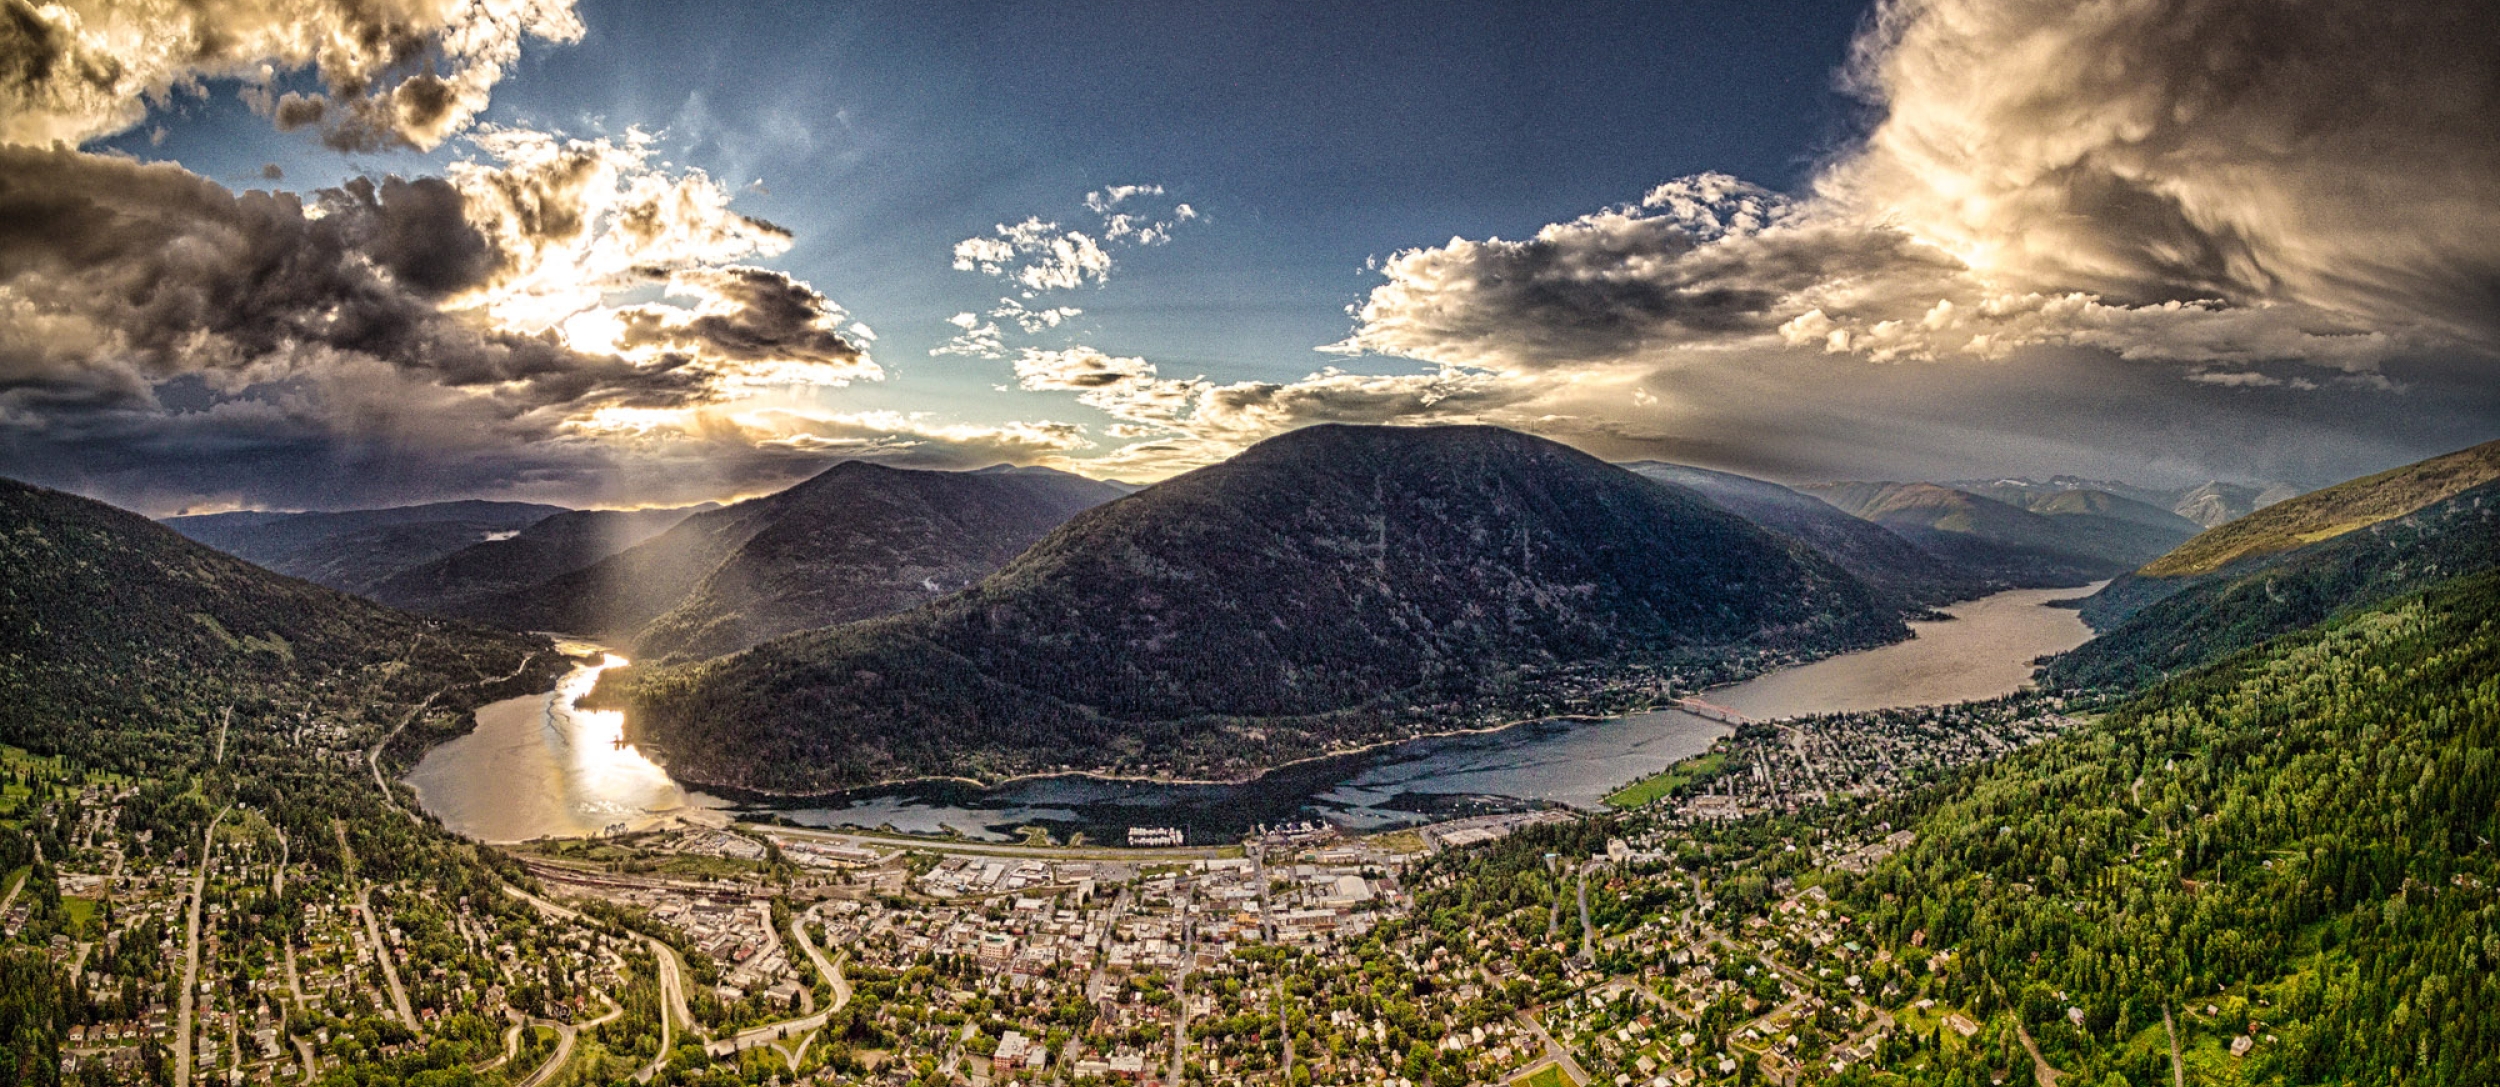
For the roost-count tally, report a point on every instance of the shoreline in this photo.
(1148, 779)
(1349, 752)
(713, 796)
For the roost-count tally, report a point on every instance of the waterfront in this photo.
(538, 767)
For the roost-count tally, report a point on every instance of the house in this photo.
(1016, 1052)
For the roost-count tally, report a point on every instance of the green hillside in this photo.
(553, 547)
(2214, 615)
(356, 550)
(2332, 512)
(2298, 838)
(121, 640)
(855, 541)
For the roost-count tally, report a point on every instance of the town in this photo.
(219, 947)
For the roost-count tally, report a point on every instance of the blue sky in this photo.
(1313, 138)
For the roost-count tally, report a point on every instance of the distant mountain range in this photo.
(1331, 586)
(2208, 504)
(356, 550)
(557, 545)
(2334, 511)
(856, 541)
(2027, 538)
(1875, 554)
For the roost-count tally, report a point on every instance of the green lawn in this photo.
(1545, 1075)
(1667, 781)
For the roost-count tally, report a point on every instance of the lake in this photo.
(541, 767)
(538, 767)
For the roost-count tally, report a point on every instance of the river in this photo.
(537, 766)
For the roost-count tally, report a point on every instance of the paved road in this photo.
(382, 955)
(1588, 929)
(670, 995)
(305, 1050)
(832, 970)
(185, 1047)
(2040, 1067)
(295, 988)
(566, 1034)
(993, 849)
(1267, 933)
(672, 1007)
(1570, 1066)
(1180, 986)
(373, 757)
(770, 1033)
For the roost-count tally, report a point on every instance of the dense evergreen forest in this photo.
(2292, 846)
(2300, 837)
(2210, 616)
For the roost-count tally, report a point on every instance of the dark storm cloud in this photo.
(1704, 260)
(124, 275)
(750, 315)
(2336, 153)
(152, 321)
(2205, 181)
(1795, 418)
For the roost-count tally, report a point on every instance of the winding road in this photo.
(776, 1032)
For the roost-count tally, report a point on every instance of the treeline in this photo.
(2204, 618)
(2298, 838)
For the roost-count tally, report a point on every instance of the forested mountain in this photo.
(2331, 512)
(1334, 585)
(355, 550)
(2298, 837)
(1874, 553)
(2074, 538)
(2204, 618)
(2242, 548)
(552, 547)
(119, 638)
(857, 540)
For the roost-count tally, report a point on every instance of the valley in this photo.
(926, 543)
(539, 766)
(1811, 861)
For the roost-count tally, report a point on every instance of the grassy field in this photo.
(1544, 1075)
(1399, 841)
(80, 913)
(1667, 781)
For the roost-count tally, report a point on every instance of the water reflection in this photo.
(542, 766)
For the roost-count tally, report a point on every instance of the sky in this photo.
(318, 254)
